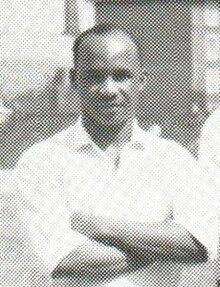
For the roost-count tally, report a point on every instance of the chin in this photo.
(113, 122)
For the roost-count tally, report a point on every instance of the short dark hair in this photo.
(99, 29)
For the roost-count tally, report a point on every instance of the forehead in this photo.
(115, 50)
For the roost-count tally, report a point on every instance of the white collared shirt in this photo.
(154, 178)
(209, 146)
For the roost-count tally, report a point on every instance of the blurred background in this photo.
(180, 46)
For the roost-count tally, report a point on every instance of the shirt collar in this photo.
(82, 139)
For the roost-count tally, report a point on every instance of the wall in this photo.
(163, 30)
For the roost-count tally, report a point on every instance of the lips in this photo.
(116, 105)
(111, 105)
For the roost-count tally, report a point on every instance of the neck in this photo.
(105, 136)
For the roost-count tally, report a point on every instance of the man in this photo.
(209, 146)
(105, 203)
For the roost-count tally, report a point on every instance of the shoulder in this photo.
(8, 195)
(40, 167)
(38, 173)
(39, 152)
(170, 162)
(173, 148)
(48, 158)
(6, 176)
(212, 124)
(154, 140)
(179, 164)
(170, 152)
(50, 151)
(180, 154)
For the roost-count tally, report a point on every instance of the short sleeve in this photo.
(43, 210)
(196, 207)
(192, 198)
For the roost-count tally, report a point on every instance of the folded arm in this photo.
(142, 242)
(92, 261)
(166, 241)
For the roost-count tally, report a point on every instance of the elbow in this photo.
(195, 254)
(201, 257)
(201, 252)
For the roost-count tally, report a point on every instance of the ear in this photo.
(72, 75)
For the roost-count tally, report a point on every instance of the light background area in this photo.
(34, 15)
(44, 16)
(32, 29)
(206, 52)
(36, 97)
(35, 39)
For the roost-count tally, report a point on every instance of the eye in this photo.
(95, 78)
(120, 75)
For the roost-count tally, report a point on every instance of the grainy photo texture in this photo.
(110, 143)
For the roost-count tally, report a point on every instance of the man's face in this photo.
(109, 74)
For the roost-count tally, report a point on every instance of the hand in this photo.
(90, 225)
(121, 235)
(92, 261)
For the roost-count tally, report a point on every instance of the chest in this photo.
(138, 189)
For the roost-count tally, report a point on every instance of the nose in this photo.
(109, 87)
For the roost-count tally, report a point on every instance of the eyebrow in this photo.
(96, 71)
(108, 71)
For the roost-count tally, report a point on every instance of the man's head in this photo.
(108, 74)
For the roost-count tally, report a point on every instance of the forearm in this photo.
(165, 241)
(92, 261)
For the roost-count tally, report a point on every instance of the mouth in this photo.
(112, 105)
(115, 105)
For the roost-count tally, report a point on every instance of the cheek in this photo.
(88, 94)
(85, 89)
(127, 87)
(130, 88)
(92, 89)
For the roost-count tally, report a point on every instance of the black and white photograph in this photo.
(109, 143)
